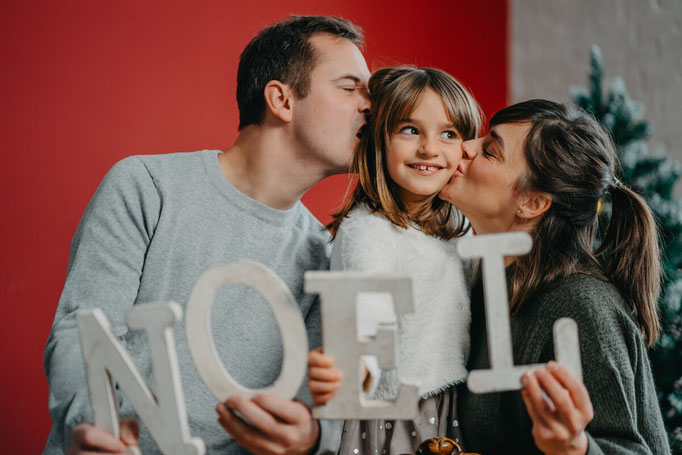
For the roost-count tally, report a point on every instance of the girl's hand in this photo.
(557, 428)
(324, 379)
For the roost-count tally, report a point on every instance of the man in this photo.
(156, 222)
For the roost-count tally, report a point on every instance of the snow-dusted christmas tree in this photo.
(654, 177)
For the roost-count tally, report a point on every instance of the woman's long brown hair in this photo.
(571, 158)
(394, 92)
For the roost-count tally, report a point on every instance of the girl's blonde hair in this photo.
(394, 92)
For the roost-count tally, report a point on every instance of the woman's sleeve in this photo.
(616, 372)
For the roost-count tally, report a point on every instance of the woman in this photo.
(543, 169)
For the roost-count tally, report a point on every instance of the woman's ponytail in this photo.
(571, 157)
(630, 247)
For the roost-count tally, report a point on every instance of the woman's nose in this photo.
(469, 149)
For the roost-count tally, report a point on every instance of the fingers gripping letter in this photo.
(105, 360)
(338, 293)
(503, 375)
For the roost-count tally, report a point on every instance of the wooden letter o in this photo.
(287, 314)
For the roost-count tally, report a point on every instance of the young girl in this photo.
(395, 223)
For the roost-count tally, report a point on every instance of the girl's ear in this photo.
(534, 204)
(279, 100)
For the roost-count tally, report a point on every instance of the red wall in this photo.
(84, 84)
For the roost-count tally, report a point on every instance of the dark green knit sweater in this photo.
(627, 418)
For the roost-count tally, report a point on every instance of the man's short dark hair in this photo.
(283, 52)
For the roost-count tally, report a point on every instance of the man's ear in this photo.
(279, 100)
(534, 204)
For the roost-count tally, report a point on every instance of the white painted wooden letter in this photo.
(286, 311)
(503, 375)
(164, 413)
(338, 293)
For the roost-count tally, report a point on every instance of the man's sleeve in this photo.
(105, 264)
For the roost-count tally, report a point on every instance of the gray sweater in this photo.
(154, 224)
(616, 370)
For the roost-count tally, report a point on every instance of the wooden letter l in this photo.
(503, 374)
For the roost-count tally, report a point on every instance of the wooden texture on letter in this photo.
(338, 292)
(286, 311)
(503, 375)
(163, 413)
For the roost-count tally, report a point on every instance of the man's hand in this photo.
(88, 439)
(559, 426)
(277, 426)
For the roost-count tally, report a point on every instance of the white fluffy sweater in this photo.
(434, 340)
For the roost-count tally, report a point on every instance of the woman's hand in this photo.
(559, 426)
(324, 379)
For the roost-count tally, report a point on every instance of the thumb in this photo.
(130, 431)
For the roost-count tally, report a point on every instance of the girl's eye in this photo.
(409, 130)
(452, 135)
(349, 89)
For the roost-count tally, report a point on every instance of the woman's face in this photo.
(483, 186)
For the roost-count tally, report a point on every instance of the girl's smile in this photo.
(426, 168)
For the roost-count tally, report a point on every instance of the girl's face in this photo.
(483, 187)
(424, 151)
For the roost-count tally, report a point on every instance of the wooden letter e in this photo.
(338, 293)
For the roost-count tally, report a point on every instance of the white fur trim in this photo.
(434, 341)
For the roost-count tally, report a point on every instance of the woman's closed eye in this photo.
(486, 151)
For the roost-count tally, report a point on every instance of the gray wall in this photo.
(641, 40)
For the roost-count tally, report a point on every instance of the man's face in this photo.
(328, 122)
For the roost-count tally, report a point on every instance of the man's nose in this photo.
(365, 104)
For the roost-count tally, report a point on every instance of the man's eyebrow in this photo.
(351, 77)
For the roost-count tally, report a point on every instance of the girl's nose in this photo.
(428, 147)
